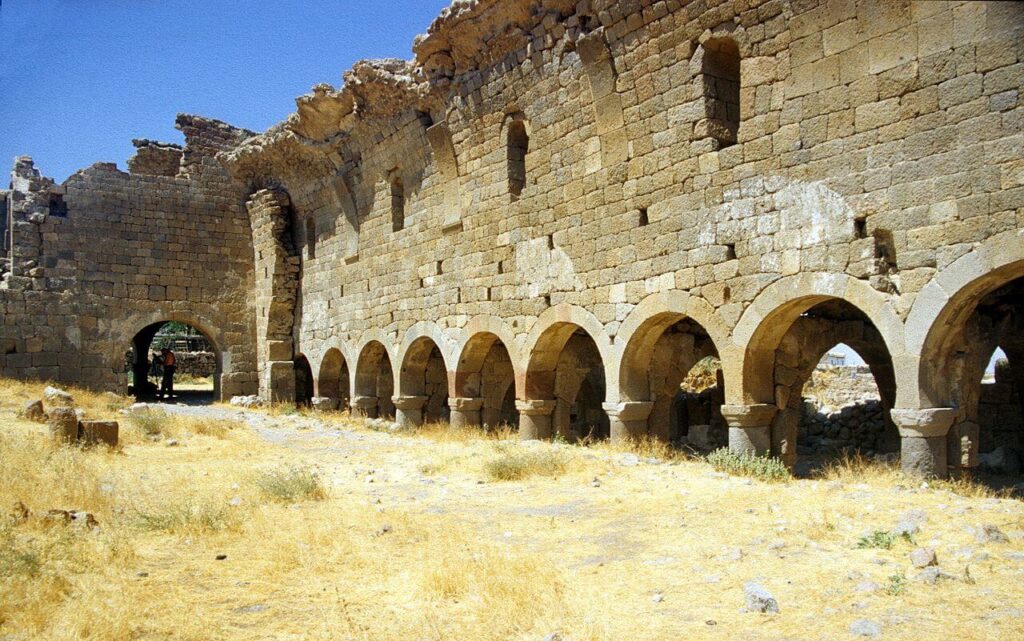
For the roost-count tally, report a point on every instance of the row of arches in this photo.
(569, 377)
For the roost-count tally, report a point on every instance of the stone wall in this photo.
(107, 253)
(547, 173)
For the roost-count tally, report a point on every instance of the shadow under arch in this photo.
(142, 343)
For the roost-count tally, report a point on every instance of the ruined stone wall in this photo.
(107, 253)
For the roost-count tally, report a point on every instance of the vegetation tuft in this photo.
(290, 484)
(515, 465)
(764, 468)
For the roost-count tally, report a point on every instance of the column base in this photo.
(535, 419)
(750, 430)
(923, 440)
(628, 421)
(409, 410)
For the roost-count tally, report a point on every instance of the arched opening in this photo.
(566, 367)
(517, 146)
(374, 382)
(424, 375)
(672, 362)
(783, 354)
(197, 363)
(485, 371)
(961, 369)
(842, 410)
(303, 381)
(720, 86)
(333, 382)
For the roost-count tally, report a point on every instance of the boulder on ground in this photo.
(63, 422)
(758, 599)
(100, 432)
(58, 397)
(34, 411)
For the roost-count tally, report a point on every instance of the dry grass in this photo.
(442, 557)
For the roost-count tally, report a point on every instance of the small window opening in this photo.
(310, 237)
(397, 203)
(425, 119)
(57, 206)
(642, 222)
(518, 146)
(720, 79)
(730, 252)
(860, 228)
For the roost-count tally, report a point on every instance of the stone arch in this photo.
(942, 307)
(566, 348)
(958, 318)
(422, 382)
(659, 343)
(767, 319)
(333, 381)
(147, 326)
(374, 379)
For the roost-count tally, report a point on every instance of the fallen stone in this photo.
(758, 599)
(992, 534)
(910, 523)
(58, 397)
(865, 628)
(99, 432)
(247, 401)
(324, 403)
(931, 575)
(63, 422)
(923, 557)
(34, 411)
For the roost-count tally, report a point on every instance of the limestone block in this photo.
(99, 432)
(63, 422)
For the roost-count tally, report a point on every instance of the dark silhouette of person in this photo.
(167, 381)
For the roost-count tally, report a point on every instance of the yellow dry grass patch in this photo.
(601, 550)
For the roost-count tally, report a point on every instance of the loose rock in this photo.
(758, 599)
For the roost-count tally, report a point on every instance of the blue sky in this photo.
(80, 78)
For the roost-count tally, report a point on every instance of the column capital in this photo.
(629, 410)
(926, 423)
(743, 416)
(535, 407)
(409, 402)
(363, 402)
(465, 404)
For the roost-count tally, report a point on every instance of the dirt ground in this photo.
(415, 537)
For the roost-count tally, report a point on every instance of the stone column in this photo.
(750, 428)
(364, 406)
(923, 440)
(628, 421)
(465, 411)
(409, 410)
(535, 419)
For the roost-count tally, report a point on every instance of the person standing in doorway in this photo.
(167, 382)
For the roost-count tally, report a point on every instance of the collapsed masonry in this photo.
(558, 207)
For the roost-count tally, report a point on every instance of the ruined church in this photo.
(557, 208)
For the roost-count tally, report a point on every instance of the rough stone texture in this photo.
(575, 182)
(63, 422)
(99, 432)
